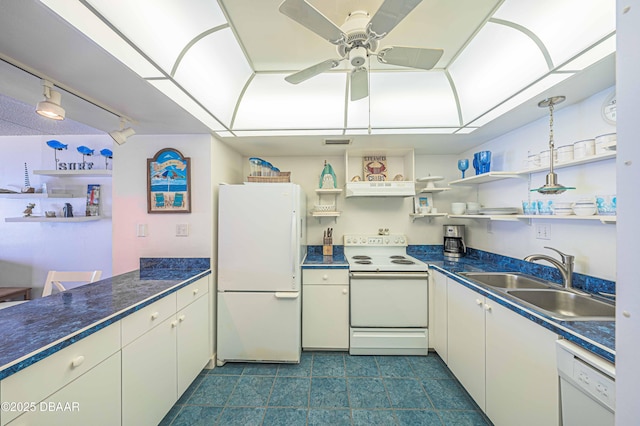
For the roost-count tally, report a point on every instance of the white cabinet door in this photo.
(193, 341)
(522, 378)
(91, 399)
(149, 377)
(466, 342)
(438, 327)
(325, 317)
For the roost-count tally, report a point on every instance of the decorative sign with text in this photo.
(375, 167)
(169, 182)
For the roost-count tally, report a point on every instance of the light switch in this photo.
(141, 230)
(182, 230)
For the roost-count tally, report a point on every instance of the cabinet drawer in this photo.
(38, 381)
(192, 292)
(146, 318)
(326, 276)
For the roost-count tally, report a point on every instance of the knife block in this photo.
(327, 246)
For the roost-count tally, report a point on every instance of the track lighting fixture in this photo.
(120, 136)
(50, 106)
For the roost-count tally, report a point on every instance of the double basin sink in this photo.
(545, 297)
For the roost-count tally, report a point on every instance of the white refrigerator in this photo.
(261, 244)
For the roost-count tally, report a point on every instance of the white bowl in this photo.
(585, 211)
(562, 212)
(562, 205)
(458, 208)
(324, 207)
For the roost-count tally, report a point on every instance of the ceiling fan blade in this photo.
(312, 71)
(412, 57)
(311, 18)
(389, 15)
(359, 83)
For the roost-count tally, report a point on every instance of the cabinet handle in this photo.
(174, 324)
(77, 361)
(478, 302)
(344, 291)
(154, 316)
(195, 291)
(487, 308)
(325, 277)
(181, 318)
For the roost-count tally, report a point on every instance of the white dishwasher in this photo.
(587, 387)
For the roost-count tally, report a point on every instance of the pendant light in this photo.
(50, 106)
(551, 186)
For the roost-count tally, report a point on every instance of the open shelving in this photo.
(75, 173)
(33, 219)
(585, 160)
(516, 217)
(485, 177)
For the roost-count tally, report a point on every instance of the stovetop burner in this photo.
(363, 262)
(361, 257)
(403, 261)
(397, 257)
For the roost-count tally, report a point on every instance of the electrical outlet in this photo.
(141, 230)
(543, 232)
(182, 230)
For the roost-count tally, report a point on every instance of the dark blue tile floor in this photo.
(328, 388)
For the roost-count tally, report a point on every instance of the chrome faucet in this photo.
(565, 267)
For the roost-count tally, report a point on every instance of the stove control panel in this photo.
(393, 240)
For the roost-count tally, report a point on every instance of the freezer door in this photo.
(259, 237)
(259, 327)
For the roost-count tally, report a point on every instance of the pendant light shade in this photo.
(551, 185)
(50, 106)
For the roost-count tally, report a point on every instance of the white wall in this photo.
(29, 250)
(593, 244)
(130, 202)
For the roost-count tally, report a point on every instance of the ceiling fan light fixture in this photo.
(50, 107)
(358, 56)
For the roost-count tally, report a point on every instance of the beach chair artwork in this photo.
(169, 182)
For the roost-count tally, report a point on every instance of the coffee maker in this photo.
(454, 241)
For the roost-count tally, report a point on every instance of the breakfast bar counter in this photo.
(36, 329)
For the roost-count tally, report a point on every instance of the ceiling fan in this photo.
(358, 39)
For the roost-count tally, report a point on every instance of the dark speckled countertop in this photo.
(36, 329)
(316, 260)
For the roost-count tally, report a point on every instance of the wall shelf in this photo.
(586, 160)
(433, 190)
(516, 217)
(334, 191)
(485, 177)
(75, 173)
(429, 216)
(27, 196)
(53, 219)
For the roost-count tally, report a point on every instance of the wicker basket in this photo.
(282, 177)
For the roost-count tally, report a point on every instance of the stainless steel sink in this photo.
(507, 280)
(566, 305)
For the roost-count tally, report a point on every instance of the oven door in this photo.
(389, 299)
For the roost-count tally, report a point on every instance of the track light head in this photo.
(50, 106)
(120, 136)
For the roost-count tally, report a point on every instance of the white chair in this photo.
(56, 278)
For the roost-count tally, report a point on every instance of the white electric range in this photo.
(389, 296)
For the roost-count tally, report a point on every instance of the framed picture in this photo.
(169, 182)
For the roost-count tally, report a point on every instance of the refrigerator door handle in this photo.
(286, 295)
(294, 234)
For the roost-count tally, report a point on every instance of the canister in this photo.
(584, 148)
(565, 153)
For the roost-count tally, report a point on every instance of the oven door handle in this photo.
(387, 275)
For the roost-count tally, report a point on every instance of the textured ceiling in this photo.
(19, 119)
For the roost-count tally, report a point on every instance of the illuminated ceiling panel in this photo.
(161, 28)
(271, 103)
(215, 71)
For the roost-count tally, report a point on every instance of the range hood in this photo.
(381, 189)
